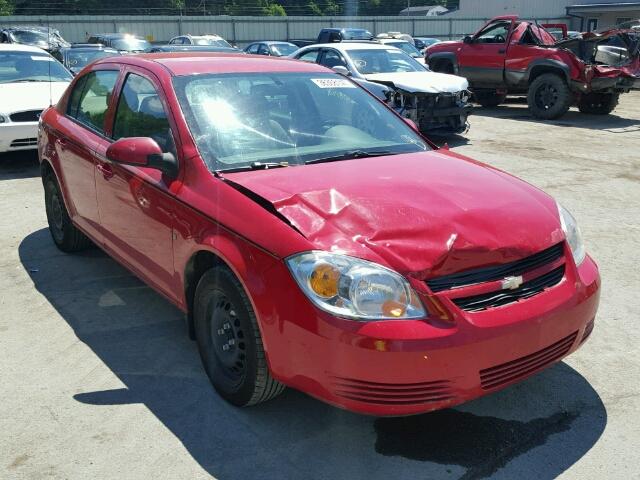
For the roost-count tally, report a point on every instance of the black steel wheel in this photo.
(64, 234)
(549, 96)
(598, 103)
(229, 340)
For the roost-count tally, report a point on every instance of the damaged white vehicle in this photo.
(436, 102)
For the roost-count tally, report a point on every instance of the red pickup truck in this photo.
(512, 56)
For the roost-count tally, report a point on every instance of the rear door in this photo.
(135, 203)
(482, 61)
(79, 133)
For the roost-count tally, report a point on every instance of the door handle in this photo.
(105, 169)
(502, 50)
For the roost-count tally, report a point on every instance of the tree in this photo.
(6, 7)
(274, 10)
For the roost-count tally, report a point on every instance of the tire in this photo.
(442, 66)
(63, 232)
(489, 99)
(223, 316)
(549, 97)
(598, 103)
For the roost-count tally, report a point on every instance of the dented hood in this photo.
(423, 214)
(421, 82)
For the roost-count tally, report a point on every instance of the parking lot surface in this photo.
(99, 380)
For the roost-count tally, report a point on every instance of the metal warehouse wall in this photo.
(524, 8)
(243, 30)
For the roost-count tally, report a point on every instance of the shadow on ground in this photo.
(15, 165)
(515, 110)
(536, 429)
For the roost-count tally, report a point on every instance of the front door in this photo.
(482, 60)
(135, 203)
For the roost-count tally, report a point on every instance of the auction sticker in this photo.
(333, 83)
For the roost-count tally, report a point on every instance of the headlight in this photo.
(350, 287)
(572, 232)
(3, 119)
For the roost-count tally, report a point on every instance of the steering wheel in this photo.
(499, 39)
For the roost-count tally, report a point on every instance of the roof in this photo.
(19, 47)
(345, 46)
(191, 63)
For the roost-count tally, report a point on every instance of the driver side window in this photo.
(496, 33)
(331, 59)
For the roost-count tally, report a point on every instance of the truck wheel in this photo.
(598, 103)
(489, 99)
(549, 97)
(229, 340)
(64, 233)
(442, 66)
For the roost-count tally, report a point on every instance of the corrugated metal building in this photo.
(599, 14)
(525, 8)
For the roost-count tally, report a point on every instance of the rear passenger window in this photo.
(310, 56)
(140, 113)
(90, 106)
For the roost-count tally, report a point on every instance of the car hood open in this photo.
(423, 214)
(421, 82)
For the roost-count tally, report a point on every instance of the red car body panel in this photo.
(424, 215)
(512, 65)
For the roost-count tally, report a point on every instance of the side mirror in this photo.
(142, 152)
(411, 123)
(468, 39)
(342, 70)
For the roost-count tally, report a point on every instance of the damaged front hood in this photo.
(423, 214)
(421, 82)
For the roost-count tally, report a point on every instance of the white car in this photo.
(30, 81)
(407, 47)
(436, 102)
(213, 40)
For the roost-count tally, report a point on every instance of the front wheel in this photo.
(598, 103)
(549, 97)
(229, 340)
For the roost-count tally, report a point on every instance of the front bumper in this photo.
(18, 136)
(409, 367)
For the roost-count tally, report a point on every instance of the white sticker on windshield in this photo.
(41, 58)
(333, 83)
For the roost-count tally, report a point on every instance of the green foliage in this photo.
(212, 7)
(6, 7)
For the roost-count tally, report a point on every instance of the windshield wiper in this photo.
(254, 166)
(352, 154)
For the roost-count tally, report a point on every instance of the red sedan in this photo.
(312, 237)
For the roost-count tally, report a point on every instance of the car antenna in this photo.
(49, 61)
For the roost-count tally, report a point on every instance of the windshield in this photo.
(131, 44)
(29, 36)
(77, 59)
(218, 42)
(407, 48)
(31, 67)
(239, 119)
(283, 49)
(383, 61)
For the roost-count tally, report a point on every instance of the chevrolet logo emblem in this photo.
(511, 283)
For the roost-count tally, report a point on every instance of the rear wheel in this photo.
(549, 96)
(65, 235)
(598, 103)
(229, 340)
(489, 99)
